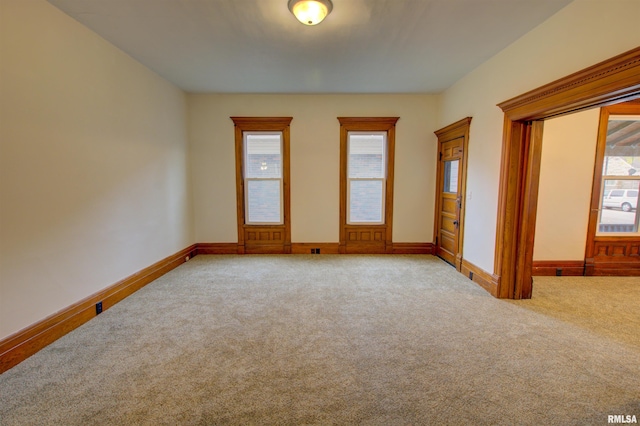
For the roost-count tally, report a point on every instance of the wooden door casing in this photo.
(612, 81)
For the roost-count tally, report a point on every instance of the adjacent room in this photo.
(398, 212)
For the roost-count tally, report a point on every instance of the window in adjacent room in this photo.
(620, 180)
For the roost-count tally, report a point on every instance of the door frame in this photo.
(459, 129)
(609, 82)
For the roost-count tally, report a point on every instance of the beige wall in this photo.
(566, 176)
(582, 34)
(94, 176)
(93, 164)
(315, 159)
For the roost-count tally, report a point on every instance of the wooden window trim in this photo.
(601, 263)
(263, 238)
(609, 82)
(367, 238)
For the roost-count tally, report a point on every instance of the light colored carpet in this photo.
(380, 340)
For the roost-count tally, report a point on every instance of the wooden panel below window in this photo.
(265, 235)
(365, 235)
(614, 256)
(365, 239)
(265, 239)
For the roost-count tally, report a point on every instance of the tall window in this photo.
(366, 177)
(263, 178)
(366, 183)
(262, 184)
(620, 189)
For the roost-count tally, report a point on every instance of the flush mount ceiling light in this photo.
(310, 12)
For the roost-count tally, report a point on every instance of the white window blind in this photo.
(366, 177)
(263, 178)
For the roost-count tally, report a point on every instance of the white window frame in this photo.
(245, 135)
(383, 180)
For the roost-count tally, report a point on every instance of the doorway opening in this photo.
(610, 82)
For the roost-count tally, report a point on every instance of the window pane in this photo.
(365, 201)
(622, 152)
(619, 206)
(451, 176)
(263, 156)
(263, 201)
(366, 156)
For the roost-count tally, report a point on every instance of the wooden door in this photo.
(450, 191)
(448, 238)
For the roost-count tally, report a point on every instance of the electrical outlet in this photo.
(558, 272)
(471, 276)
(317, 251)
(98, 308)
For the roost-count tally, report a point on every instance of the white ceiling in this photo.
(363, 46)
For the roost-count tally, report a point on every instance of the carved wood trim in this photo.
(608, 82)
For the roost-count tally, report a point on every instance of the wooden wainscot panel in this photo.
(266, 235)
(265, 240)
(614, 256)
(366, 239)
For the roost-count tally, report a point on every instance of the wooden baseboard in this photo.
(483, 278)
(558, 268)
(614, 269)
(21, 345)
(413, 248)
(217, 248)
(306, 248)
